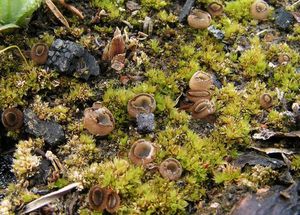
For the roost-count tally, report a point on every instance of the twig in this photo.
(17, 47)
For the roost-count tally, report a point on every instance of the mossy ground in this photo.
(162, 66)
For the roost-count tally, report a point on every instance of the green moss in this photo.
(295, 165)
(14, 87)
(166, 17)
(28, 197)
(253, 61)
(80, 151)
(77, 91)
(231, 28)
(154, 45)
(110, 6)
(238, 9)
(228, 174)
(187, 51)
(155, 4)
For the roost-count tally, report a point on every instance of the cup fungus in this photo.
(115, 47)
(170, 169)
(12, 118)
(97, 198)
(283, 59)
(199, 19)
(141, 103)
(266, 100)
(200, 81)
(202, 109)
(98, 120)
(215, 9)
(113, 201)
(142, 152)
(194, 96)
(39, 53)
(260, 10)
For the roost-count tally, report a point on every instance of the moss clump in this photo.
(59, 113)
(25, 163)
(155, 45)
(295, 165)
(110, 6)
(227, 175)
(155, 4)
(14, 87)
(259, 176)
(253, 61)
(80, 151)
(238, 9)
(77, 91)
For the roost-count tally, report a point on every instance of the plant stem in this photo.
(17, 47)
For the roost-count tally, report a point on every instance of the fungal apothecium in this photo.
(260, 10)
(39, 53)
(199, 19)
(141, 103)
(98, 120)
(142, 152)
(215, 9)
(201, 84)
(115, 51)
(266, 100)
(103, 199)
(12, 118)
(170, 169)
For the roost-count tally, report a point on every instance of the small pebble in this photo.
(145, 123)
(218, 34)
(283, 19)
(72, 59)
(6, 175)
(51, 131)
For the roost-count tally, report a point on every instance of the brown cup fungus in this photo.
(202, 109)
(266, 100)
(260, 10)
(200, 81)
(215, 9)
(199, 19)
(115, 47)
(113, 201)
(170, 169)
(39, 53)
(283, 59)
(142, 152)
(97, 198)
(141, 103)
(98, 120)
(194, 96)
(12, 118)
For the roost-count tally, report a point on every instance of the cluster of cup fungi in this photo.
(99, 121)
(199, 95)
(200, 19)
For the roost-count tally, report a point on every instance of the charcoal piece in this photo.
(253, 159)
(44, 170)
(278, 200)
(51, 131)
(145, 122)
(186, 9)
(72, 59)
(6, 175)
(218, 34)
(283, 19)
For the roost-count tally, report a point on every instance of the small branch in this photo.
(17, 47)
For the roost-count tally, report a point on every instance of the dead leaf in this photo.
(57, 13)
